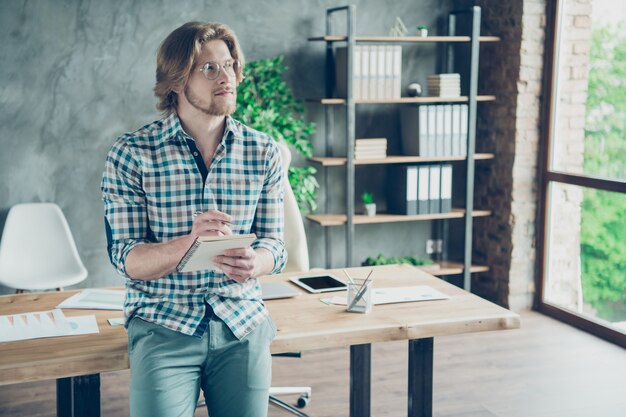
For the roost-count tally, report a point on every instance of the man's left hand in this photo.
(238, 264)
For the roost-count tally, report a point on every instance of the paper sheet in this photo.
(41, 324)
(95, 299)
(395, 295)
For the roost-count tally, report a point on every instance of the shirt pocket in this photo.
(238, 197)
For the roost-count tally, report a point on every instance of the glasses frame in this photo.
(233, 64)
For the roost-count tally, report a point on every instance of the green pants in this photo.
(167, 370)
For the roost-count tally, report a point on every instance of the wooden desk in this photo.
(303, 323)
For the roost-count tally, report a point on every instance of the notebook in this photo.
(200, 254)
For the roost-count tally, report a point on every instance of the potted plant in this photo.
(370, 206)
(422, 31)
(267, 104)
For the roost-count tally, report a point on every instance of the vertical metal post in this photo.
(420, 378)
(450, 46)
(328, 134)
(350, 132)
(471, 145)
(360, 380)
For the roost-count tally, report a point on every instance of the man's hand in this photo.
(211, 223)
(244, 263)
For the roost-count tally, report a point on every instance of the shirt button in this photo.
(195, 154)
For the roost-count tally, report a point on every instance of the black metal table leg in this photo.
(360, 380)
(421, 377)
(78, 396)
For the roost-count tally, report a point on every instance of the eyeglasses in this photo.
(211, 70)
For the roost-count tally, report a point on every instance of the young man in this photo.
(196, 172)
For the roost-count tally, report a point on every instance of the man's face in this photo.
(216, 97)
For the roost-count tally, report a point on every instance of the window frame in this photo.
(547, 176)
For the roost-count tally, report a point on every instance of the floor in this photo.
(544, 369)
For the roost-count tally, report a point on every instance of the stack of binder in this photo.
(370, 148)
(376, 72)
(434, 129)
(444, 85)
(420, 189)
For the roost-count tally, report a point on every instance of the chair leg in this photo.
(288, 407)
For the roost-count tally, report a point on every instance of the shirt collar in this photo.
(173, 127)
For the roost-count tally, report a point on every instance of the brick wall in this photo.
(564, 286)
(513, 70)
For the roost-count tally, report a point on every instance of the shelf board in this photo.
(341, 219)
(340, 161)
(404, 100)
(451, 268)
(402, 39)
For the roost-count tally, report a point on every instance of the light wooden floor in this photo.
(545, 369)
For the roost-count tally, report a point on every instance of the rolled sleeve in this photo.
(124, 204)
(269, 219)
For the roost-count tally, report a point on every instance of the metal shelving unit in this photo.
(350, 219)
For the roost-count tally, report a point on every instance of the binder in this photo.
(388, 84)
(435, 189)
(464, 121)
(432, 131)
(373, 82)
(380, 81)
(446, 188)
(439, 137)
(423, 194)
(365, 72)
(402, 197)
(447, 130)
(397, 72)
(456, 130)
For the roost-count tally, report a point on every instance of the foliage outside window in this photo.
(267, 104)
(603, 243)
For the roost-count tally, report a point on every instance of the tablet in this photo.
(320, 283)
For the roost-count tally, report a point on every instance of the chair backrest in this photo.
(37, 250)
(295, 236)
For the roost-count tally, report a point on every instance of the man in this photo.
(196, 172)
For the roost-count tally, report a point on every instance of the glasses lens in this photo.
(211, 70)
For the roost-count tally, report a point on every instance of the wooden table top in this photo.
(303, 323)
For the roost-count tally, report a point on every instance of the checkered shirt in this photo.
(151, 187)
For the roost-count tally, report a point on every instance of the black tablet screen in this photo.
(323, 282)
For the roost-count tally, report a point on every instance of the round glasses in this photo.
(211, 70)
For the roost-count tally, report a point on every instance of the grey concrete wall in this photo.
(76, 74)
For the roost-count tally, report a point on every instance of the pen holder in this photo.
(359, 296)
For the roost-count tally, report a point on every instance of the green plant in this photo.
(367, 198)
(267, 104)
(603, 213)
(383, 260)
(422, 27)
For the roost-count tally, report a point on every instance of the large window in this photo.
(583, 189)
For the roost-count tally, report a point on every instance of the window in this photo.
(582, 231)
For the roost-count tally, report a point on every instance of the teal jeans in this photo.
(167, 370)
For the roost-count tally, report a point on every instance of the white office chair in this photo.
(298, 260)
(37, 251)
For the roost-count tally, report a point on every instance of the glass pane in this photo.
(590, 128)
(586, 263)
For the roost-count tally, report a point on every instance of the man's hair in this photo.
(178, 53)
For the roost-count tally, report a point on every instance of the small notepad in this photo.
(200, 255)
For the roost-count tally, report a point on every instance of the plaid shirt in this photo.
(153, 182)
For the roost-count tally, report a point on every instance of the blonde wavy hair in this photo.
(177, 55)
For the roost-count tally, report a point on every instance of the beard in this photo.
(215, 108)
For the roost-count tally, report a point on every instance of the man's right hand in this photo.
(211, 223)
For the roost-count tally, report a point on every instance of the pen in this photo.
(349, 277)
(361, 291)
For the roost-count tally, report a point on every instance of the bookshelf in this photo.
(350, 219)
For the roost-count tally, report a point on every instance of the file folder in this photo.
(402, 196)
